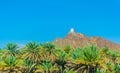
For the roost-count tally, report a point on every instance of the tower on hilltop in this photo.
(72, 30)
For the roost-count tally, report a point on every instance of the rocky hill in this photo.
(79, 40)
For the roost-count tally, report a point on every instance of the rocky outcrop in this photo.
(79, 40)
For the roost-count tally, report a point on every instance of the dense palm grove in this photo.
(48, 58)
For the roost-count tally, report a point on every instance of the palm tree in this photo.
(114, 55)
(32, 56)
(46, 66)
(67, 48)
(76, 54)
(60, 60)
(49, 47)
(92, 57)
(47, 58)
(104, 53)
(48, 51)
(76, 63)
(10, 54)
(11, 49)
(10, 61)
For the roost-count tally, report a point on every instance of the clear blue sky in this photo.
(45, 20)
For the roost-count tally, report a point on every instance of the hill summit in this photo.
(80, 40)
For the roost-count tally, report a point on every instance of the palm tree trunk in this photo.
(48, 71)
(45, 71)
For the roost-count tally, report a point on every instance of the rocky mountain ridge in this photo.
(80, 40)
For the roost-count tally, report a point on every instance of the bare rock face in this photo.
(76, 40)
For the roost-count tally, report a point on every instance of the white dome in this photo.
(72, 30)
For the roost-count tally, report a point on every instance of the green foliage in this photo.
(117, 68)
(45, 65)
(76, 53)
(91, 53)
(27, 63)
(32, 53)
(48, 46)
(100, 71)
(32, 46)
(11, 49)
(60, 54)
(67, 48)
(46, 57)
(114, 53)
(10, 61)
